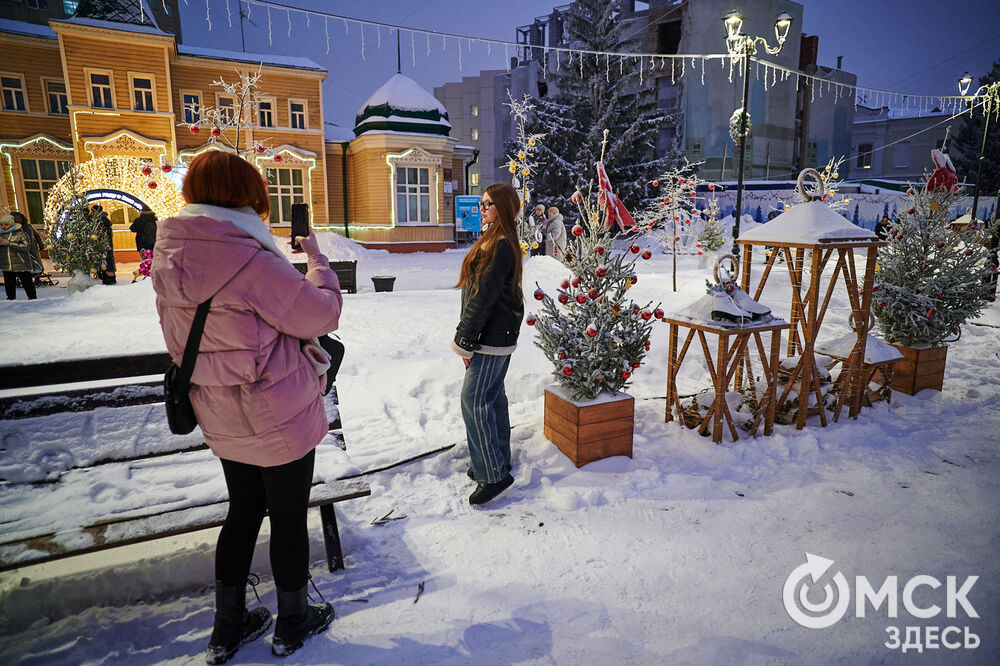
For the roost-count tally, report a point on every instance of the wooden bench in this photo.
(347, 274)
(23, 543)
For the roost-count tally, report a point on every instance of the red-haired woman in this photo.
(492, 310)
(257, 397)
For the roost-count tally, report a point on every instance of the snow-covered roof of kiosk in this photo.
(402, 105)
(808, 223)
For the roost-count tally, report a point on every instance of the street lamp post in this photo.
(990, 93)
(745, 46)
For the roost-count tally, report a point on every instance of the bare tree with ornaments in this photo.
(226, 125)
(930, 277)
(522, 165)
(675, 205)
(594, 335)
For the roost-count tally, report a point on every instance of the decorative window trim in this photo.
(46, 80)
(419, 158)
(87, 73)
(132, 76)
(305, 112)
(24, 93)
(274, 112)
(183, 106)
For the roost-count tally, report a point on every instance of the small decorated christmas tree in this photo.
(594, 335)
(711, 237)
(930, 278)
(76, 239)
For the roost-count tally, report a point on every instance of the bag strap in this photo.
(191, 349)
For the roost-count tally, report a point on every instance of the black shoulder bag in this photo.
(177, 382)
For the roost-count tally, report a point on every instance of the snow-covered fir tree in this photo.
(931, 277)
(594, 335)
(711, 235)
(76, 239)
(590, 93)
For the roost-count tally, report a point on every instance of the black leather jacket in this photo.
(492, 315)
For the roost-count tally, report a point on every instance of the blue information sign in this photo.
(467, 216)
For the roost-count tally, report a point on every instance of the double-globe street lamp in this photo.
(740, 45)
(991, 95)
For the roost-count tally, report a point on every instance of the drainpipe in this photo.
(343, 174)
(475, 156)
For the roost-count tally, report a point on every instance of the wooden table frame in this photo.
(807, 312)
(730, 355)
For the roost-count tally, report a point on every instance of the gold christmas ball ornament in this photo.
(524, 254)
(93, 237)
(531, 142)
(512, 168)
(521, 155)
(534, 246)
(524, 246)
(70, 236)
(525, 172)
(836, 175)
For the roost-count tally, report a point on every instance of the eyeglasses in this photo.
(486, 205)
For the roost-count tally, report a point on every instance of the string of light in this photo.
(770, 73)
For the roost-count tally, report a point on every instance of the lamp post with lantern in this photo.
(991, 102)
(744, 46)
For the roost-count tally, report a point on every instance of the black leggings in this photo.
(10, 284)
(283, 492)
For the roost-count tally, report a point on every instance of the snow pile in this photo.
(402, 92)
(335, 246)
(806, 224)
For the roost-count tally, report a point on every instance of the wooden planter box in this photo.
(590, 430)
(919, 369)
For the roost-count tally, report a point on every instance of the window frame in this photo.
(234, 113)
(23, 90)
(903, 149)
(273, 110)
(88, 74)
(41, 190)
(474, 133)
(474, 110)
(429, 194)
(184, 106)
(132, 77)
(865, 155)
(305, 113)
(48, 80)
(277, 218)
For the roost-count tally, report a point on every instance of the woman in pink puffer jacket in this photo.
(257, 397)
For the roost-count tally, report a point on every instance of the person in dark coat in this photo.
(144, 228)
(16, 255)
(486, 336)
(882, 228)
(107, 274)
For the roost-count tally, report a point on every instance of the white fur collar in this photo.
(246, 219)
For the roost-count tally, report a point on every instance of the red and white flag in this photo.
(616, 210)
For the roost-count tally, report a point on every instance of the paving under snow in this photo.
(677, 555)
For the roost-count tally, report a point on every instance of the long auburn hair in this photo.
(483, 252)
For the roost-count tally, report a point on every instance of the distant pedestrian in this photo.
(882, 228)
(16, 260)
(144, 228)
(107, 272)
(555, 234)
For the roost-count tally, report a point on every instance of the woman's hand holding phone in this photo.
(307, 243)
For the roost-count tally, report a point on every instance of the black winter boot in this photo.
(234, 624)
(298, 620)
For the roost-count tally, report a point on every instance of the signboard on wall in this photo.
(467, 216)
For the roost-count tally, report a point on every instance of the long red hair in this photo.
(220, 178)
(483, 252)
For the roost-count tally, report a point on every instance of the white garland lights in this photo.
(769, 73)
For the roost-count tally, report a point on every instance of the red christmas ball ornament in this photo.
(561, 356)
(930, 313)
(711, 188)
(633, 279)
(968, 253)
(539, 294)
(577, 197)
(146, 170)
(921, 265)
(601, 271)
(647, 345)
(991, 298)
(195, 129)
(700, 253)
(634, 249)
(151, 184)
(954, 331)
(564, 298)
(567, 370)
(663, 205)
(593, 294)
(910, 192)
(691, 193)
(940, 297)
(530, 321)
(911, 211)
(694, 211)
(874, 289)
(729, 287)
(680, 181)
(564, 284)
(656, 183)
(277, 158)
(658, 313)
(677, 239)
(677, 218)
(166, 168)
(636, 364)
(646, 254)
(260, 149)
(575, 282)
(581, 298)
(216, 131)
(577, 230)
(687, 221)
(881, 304)
(599, 249)
(646, 314)
(626, 374)
(698, 245)
(940, 244)
(666, 199)
(591, 331)
(635, 309)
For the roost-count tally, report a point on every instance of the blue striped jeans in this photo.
(487, 422)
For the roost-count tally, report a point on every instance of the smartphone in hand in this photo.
(300, 224)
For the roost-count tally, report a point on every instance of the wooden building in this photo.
(106, 88)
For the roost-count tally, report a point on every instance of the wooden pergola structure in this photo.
(811, 234)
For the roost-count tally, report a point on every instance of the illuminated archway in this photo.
(119, 179)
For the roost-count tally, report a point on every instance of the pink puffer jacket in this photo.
(257, 398)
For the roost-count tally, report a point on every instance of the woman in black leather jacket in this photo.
(492, 310)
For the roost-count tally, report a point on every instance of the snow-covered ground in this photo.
(675, 556)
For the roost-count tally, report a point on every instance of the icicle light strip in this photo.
(326, 30)
(413, 50)
(208, 14)
(288, 15)
(363, 43)
(269, 40)
(229, 12)
(907, 100)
